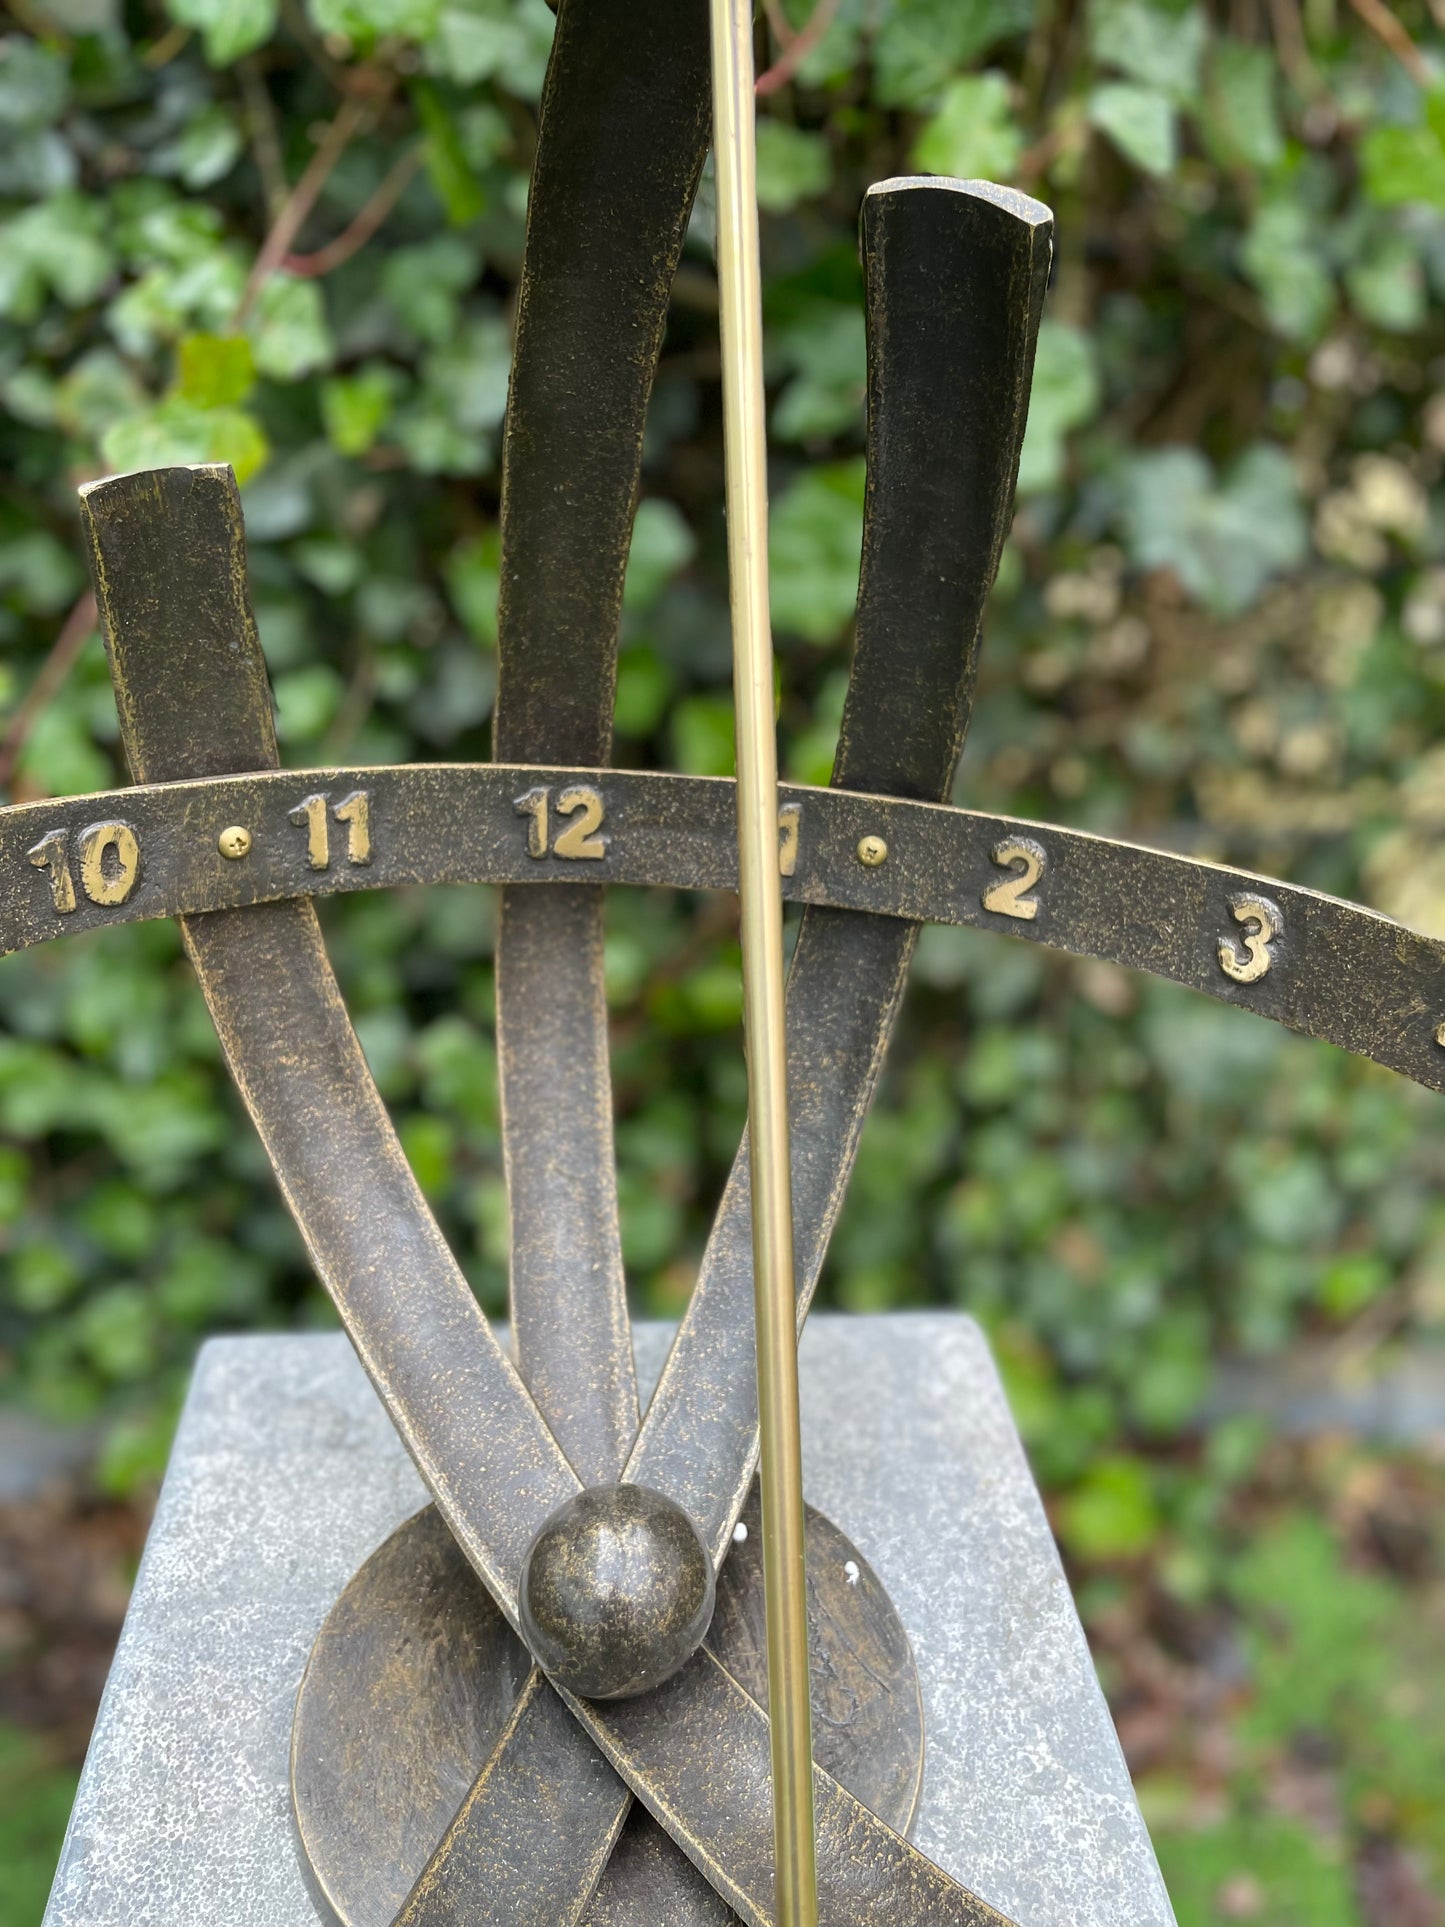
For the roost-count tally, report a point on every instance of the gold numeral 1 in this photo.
(789, 817)
(310, 815)
(50, 853)
(1249, 965)
(355, 812)
(534, 806)
(1028, 860)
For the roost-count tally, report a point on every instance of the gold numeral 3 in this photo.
(1247, 966)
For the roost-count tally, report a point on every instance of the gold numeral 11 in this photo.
(354, 811)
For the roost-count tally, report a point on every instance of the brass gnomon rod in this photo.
(543, 1470)
(764, 1017)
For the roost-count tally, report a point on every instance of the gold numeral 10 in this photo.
(310, 814)
(579, 839)
(109, 864)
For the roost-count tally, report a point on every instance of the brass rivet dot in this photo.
(1440, 1035)
(234, 842)
(872, 851)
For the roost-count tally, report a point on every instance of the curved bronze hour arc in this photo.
(1337, 971)
(168, 561)
(624, 131)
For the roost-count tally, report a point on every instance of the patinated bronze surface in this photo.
(617, 1592)
(412, 1681)
(227, 960)
(439, 1777)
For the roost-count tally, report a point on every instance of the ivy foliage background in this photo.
(288, 236)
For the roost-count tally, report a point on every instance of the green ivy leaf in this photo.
(503, 40)
(214, 371)
(793, 165)
(1241, 116)
(354, 408)
(228, 28)
(1161, 47)
(177, 430)
(1224, 540)
(814, 546)
(56, 247)
(34, 84)
(645, 686)
(826, 347)
(367, 21)
(974, 135)
(288, 331)
(423, 284)
(1112, 1513)
(1387, 283)
(206, 151)
(1141, 123)
(1283, 255)
(662, 544)
(922, 44)
(473, 578)
(38, 574)
(430, 1147)
(117, 1329)
(1405, 165)
(702, 736)
(307, 701)
(457, 187)
(1065, 396)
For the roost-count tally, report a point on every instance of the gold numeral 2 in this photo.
(353, 810)
(1249, 965)
(1028, 860)
(109, 864)
(579, 840)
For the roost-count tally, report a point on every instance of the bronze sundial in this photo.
(439, 1774)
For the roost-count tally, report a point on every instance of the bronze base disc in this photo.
(412, 1678)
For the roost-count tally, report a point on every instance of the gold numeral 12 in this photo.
(580, 839)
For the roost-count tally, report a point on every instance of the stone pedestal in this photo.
(286, 1474)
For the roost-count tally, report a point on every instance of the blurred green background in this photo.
(1220, 626)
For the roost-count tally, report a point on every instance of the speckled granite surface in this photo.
(286, 1474)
